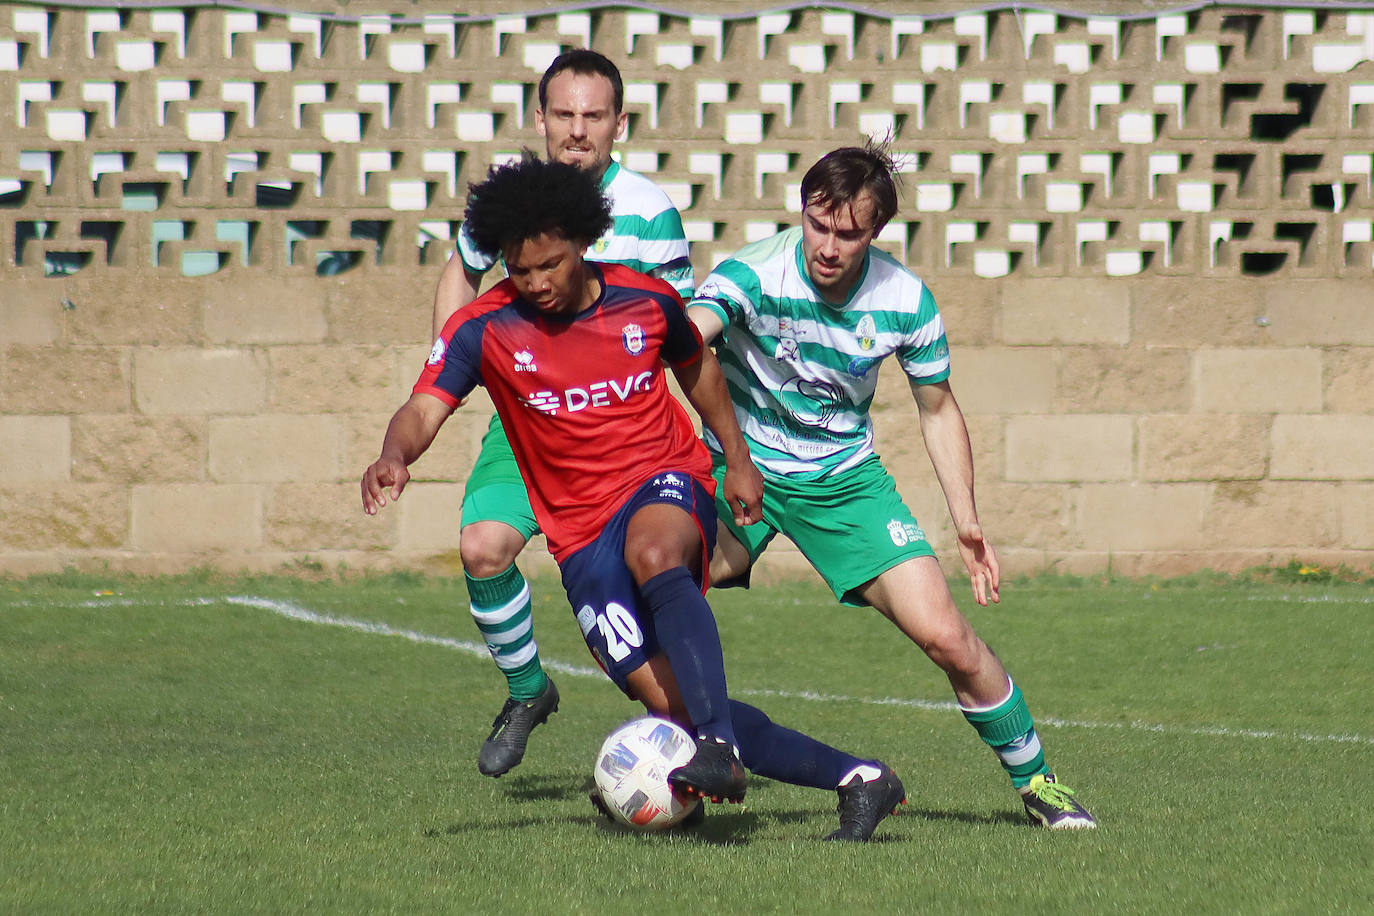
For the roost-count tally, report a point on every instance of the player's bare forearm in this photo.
(947, 444)
(411, 431)
(704, 385)
(951, 455)
(456, 289)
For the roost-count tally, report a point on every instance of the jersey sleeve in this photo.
(454, 365)
(925, 355)
(732, 291)
(474, 261)
(663, 252)
(682, 344)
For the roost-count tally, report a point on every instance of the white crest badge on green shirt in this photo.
(866, 333)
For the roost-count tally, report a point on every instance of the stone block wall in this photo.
(1151, 235)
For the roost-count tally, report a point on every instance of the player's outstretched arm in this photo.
(410, 433)
(704, 385)
(457, 287)
(708, 322)
(947, 443)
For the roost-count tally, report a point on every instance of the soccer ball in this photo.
(632, 773)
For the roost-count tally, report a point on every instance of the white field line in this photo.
(1316, 599)
(296, 612)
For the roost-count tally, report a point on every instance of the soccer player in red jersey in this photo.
(571, 353)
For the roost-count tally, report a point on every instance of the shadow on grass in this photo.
(1001, 817)
(732, 830)
(731, 827)
(725, 824)
(541, 788)
(907, 814)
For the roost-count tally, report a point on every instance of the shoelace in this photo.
(1053, 793)
(503, 717)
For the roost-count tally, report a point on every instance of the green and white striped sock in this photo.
(500, 607)
(1008, 729)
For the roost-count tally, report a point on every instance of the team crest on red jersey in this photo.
(632, 336)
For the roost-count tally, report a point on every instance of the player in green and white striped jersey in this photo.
(580, 113)
(805, 371)
(804, 320)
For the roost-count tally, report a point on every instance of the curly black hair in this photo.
(530, 197)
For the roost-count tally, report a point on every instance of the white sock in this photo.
(733, 747)
(863, 773)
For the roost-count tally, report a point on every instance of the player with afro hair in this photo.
(532, 197)
(574, 355)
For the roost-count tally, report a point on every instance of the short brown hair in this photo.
(840, 176)
(587, 63)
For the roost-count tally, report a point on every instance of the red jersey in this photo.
(583, 398)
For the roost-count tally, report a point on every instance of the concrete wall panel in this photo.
(1161, 313)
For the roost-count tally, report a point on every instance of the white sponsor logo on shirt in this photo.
(597, 394)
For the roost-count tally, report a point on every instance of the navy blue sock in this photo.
(688, 636)
(780, 753)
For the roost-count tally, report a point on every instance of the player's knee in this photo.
(957, 650)
(647, 558)
(485, 553)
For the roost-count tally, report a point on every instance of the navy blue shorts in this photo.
(615, 621)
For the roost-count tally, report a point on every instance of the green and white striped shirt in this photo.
(802, 372)
(647, 235)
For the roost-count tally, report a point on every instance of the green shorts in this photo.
(851, 527)
(495, 491)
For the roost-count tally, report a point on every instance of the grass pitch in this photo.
(279, 745)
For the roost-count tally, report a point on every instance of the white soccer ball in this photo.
(632, 773)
